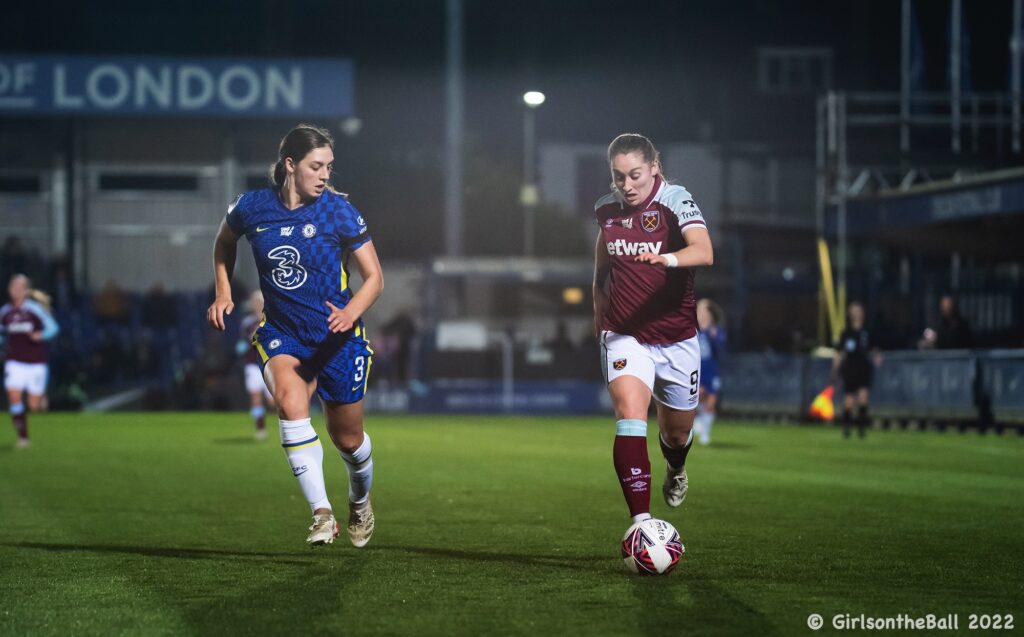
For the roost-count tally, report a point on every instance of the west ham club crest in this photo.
(651, 219)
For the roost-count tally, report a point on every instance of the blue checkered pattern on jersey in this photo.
(301, 256)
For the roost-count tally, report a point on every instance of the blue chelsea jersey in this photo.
(301, 256)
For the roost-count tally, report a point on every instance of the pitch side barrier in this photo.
(957, 386)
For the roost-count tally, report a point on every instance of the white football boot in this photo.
(324, 530)
(674, 487)
(360, 523)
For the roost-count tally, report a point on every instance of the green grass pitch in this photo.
(179, 524)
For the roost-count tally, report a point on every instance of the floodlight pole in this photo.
(454, 146)
(528, 196)
(955, 28)
(1015, 53)
(529, 185)
(905, 36)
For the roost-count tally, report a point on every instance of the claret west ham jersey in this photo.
(17, 324)
(655, 305)
(302, 257)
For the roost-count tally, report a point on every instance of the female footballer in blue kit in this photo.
(312, 338)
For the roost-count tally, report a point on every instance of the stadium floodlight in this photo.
(528, 195)
(533, 99)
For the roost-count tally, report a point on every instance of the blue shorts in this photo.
(340, 365)
(709, 378)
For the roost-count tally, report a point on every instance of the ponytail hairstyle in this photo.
(42, 298)
(627, 143)
(297, 144)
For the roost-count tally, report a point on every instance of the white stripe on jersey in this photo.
(612, 197)
(680, 202)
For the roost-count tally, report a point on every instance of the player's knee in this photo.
(349, 443)
(631, 412)
(676, 438)
(291, 404)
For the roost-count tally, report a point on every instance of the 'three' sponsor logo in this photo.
(621, 247)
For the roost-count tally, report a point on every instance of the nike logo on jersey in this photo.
(262, 229)
(621, 247)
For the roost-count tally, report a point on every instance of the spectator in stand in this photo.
(111, 304)
(158, 309)
(953, 331)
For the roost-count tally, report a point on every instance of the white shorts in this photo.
(254, 380)
(671, 372)
(30, 377)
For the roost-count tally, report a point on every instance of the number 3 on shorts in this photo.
(360, 365)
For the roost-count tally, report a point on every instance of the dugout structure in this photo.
(912, 193)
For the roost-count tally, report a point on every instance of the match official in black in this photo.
(854, 363)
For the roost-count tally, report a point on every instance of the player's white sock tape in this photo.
(360, 471)
(257, 412)
(631, 427)
(306, 457)
(17, 410)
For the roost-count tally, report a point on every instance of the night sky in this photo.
(676, 71)
(660, 66)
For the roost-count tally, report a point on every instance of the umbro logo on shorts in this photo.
(619, 364)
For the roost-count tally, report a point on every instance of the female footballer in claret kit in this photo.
(255, 386)
(25, 327)
(652, 236)
(312, 339)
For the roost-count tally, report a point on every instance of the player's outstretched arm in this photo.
(698, 252)
(342, 319)
(601, 269)
(225, 247)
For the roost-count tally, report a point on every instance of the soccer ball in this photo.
(652, 547)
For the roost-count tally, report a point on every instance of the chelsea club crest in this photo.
(308, 230)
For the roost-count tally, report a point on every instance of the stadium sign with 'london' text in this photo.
(54, 85)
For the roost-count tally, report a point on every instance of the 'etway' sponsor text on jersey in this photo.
(654, 305)
(621, 248)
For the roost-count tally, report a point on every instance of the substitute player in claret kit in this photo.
(25, 325)
(651, 237)
(255, 386)
(312, 340)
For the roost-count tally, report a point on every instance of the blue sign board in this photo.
(93, 86)
(867, 216)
